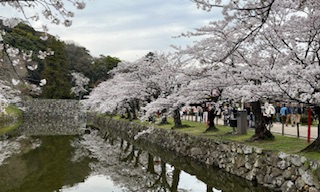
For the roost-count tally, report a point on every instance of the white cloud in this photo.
(126, 28)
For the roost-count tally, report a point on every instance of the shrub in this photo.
(304, 120)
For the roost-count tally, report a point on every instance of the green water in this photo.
(90, 163)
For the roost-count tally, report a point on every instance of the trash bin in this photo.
(233, 122)
(242, 122)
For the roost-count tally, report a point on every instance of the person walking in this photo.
(248, 109)
(205, 115)
(272, 112)
(299, 112)
(226, 115)
(283, 113)
(265, 113)
(278, 115)
(218, 113)
(289, 115)
(268, 111)
(200, 110)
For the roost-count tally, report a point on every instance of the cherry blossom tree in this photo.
(114, 94)
(270, 48)
(159, 83)
(80, 82)
(134, 84)
(7, 95)
(203, 88)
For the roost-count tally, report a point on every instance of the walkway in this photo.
(277, 128)
(292, 131)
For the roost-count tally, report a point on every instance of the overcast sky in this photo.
(129, 29)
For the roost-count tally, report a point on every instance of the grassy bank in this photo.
(282, 143)
(14, 113)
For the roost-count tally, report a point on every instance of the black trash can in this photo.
(233, 122)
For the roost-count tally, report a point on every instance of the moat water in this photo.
(90, 163)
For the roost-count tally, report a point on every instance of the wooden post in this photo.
(283, 119)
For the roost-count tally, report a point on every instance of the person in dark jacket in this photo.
(278, 115)
(289, 115)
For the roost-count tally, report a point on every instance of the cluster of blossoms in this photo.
(80, 82)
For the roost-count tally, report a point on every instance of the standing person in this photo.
(205, 115)
(299, 113)
(211, 116)
(196, 113)
(248, 109)
(278, 115)
(283, 113)
(294, 113)
(252, 120)
(266, 114)
(272, 112)
(226, 115)
(218, 113)
(290, 114)
(233, 117)
(200, 111)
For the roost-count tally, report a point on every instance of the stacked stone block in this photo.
(276, 170)
(52, 117)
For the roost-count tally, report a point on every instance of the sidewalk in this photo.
(277, 128)
(292, 131)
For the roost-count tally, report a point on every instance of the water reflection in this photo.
(96, 183)
(92, 163)
(45, 168)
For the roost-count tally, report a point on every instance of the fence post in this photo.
(282, 122)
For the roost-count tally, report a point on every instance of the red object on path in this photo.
(309, 124)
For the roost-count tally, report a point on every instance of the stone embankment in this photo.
(52, 117)
(275, 170)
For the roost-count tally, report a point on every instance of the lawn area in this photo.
(282, 143)
(12, 111)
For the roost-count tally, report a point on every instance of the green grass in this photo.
(12, 110)
(281, 143)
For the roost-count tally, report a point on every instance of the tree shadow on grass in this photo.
(181, 126)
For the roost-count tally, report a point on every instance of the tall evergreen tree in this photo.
(56, 73)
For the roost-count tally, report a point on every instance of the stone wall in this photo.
(52, 117)
(276, 170)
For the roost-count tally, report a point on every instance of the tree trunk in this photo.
(175, 180)
(128, 114)
(315, 145)
(209, 188)
(177, 119)
(211, 117)
(137, 161)
(133, 108)
(150, 167)
(261, 131)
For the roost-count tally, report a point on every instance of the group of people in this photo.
(289, 112)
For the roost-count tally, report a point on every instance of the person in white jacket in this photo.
(268, 112)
